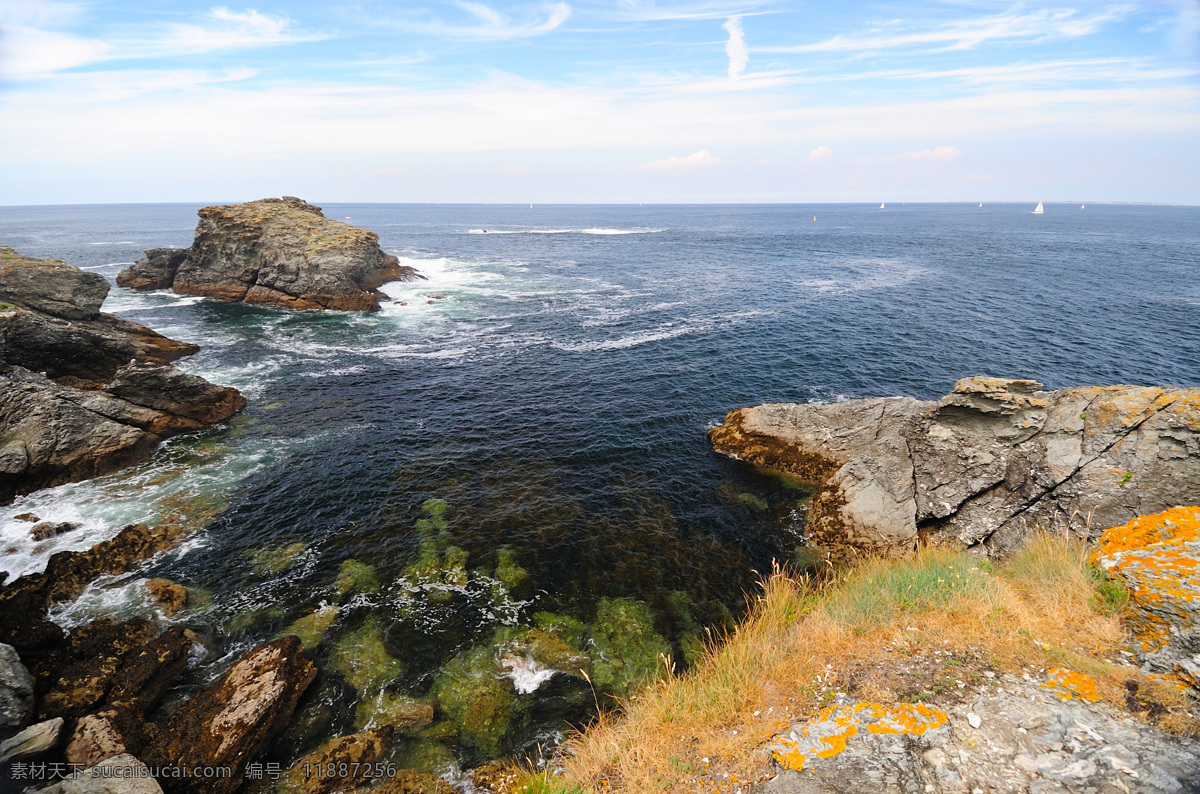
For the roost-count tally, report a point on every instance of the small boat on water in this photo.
(1039, 210)
(814, 219)
(981, 203)
(881, 205)
(1081, 206)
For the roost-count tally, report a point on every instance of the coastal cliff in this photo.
(275, 252)
(82, 392)
(983, 466)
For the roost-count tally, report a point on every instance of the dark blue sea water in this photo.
(553, 382)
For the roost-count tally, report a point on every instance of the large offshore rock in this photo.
(232, 721)
(277, 252)
(989, 462)
(16, 689)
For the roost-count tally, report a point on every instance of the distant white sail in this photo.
(1039, 210)
(981, 203)
(881, 205)
(1081, 206)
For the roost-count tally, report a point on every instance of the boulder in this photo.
(233, 720)
(16, 689)
(410, 781)
(986, 464)
(276, 252)
(50, 286)
(171, 596)
(120, 774)
(34, 740)
(109, 732)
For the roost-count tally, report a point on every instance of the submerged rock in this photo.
(361, 657)
(276, 252)
(626, 651)
(233, 720)
(482, 705)
(983, 466)
(410, 781)
(351, 759)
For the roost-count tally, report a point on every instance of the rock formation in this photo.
(234, 719)
(981, 467)
(83, 393)
(275, 252)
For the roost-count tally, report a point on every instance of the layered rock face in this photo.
(83, 393)
(275, 252)
(989, 462)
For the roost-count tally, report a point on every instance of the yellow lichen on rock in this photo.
(1158, 558)
(828, 734)
(1068, 684)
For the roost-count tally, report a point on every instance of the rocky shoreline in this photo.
(84, 393)
(274, 252)
(988, 463)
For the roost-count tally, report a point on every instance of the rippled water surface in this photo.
(550, 386)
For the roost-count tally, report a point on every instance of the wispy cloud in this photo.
(652, 11)
(1042, 25)
(701, 159)
(735, 48)
(28, 51)
(225, 29)
(486, 23)
(939, 154)
(820, 153)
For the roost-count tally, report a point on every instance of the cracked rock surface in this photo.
(1020, 736)
(981, 467)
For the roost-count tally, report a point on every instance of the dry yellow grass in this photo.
(699, 731)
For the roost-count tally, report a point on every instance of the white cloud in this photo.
(1043, 25)
(735, 48)
(491, 24)
(228, 30)
(701, 159)
(820, 153)
(940, 154)
(29, 51)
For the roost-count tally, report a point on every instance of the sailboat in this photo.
(981, 203)
(881, 205)
(1081, 206)
(1039, 210)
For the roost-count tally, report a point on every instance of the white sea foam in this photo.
(121, 597)
(600, 231)
(525, 673)
(112, 242)
(865, 275)
(667, 331)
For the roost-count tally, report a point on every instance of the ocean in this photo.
(542, 401)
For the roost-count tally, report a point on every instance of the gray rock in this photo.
(155, 271)
(16, 689)
(983, 466)
(50, 286)
(120, 774)
(34, 740)
(277, 252)
(1029, 740)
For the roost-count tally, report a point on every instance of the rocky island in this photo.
(82, 392)
(274, 252)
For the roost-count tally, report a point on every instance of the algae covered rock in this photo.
(483, 705)
(626, 651)
(361, 657)
(354, 578)
(411, 781)
(408, 716)
(311, 628)
(275, 252)
(270, 562)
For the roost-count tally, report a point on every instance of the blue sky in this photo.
(583, 101)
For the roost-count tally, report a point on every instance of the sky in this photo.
(580, 101)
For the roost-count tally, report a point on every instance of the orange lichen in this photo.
(1068, 684)
(1158, 559)
(827, 734)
